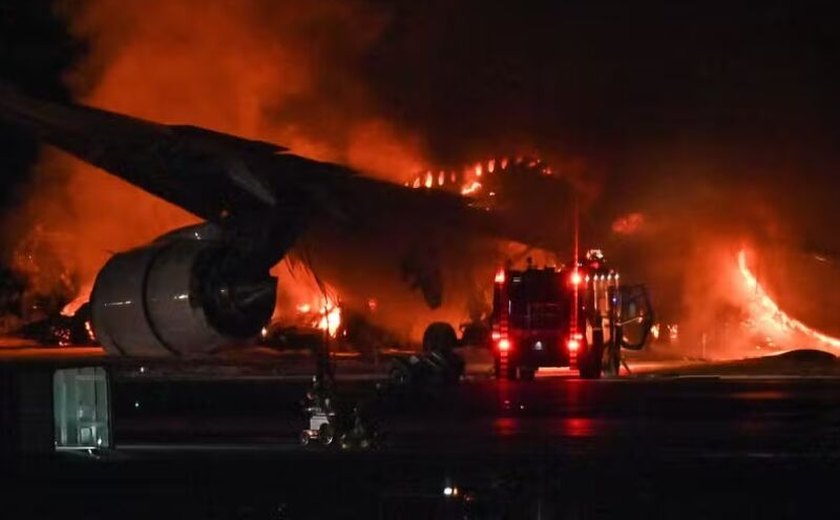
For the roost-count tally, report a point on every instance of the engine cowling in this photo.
(178, 297)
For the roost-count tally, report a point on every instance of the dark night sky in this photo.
(597, 76)
(624, 85)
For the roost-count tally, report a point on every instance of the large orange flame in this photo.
(770, 317)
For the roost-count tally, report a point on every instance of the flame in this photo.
(82, 298)
(767, 313)
(318, 305)
(325, 317)
(330, 318)
(470, 189)
(472, 178)
(89, 329)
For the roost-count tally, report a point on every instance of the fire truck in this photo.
(579, 316)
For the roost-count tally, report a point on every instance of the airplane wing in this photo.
(262, 196)
(220, 177)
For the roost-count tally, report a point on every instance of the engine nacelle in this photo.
(180, 297)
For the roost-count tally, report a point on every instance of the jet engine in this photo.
(184, 294)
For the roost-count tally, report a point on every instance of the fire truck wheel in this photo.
(590, 362)
(439, 337)
(585, 370)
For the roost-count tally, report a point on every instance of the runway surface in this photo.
(558, 447)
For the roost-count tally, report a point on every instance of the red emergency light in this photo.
(504, 345)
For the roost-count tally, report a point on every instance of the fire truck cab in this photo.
(565, 317)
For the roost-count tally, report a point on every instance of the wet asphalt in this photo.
(557, 447)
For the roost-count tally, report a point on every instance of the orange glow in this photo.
(89, 329)
(474, 187)
(472, 176)
(504, 345)
(628, 224)
(306, 300)
(251, 68)
(326, 315)
(654, 331)
(82, 298)
(330, 318)
(767, 312)
(500, 276)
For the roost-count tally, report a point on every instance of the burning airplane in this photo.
(206, 286)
